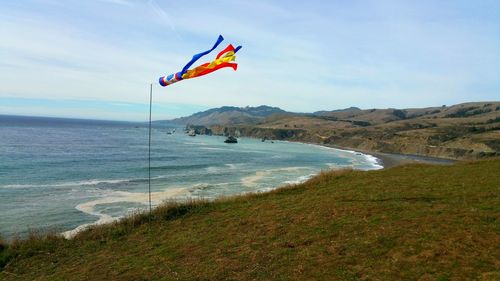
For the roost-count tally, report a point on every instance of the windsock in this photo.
(225, 58)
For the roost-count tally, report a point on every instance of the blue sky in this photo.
(96, 58)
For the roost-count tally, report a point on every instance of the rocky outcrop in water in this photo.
(199, 130)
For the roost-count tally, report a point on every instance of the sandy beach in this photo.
(389, 160)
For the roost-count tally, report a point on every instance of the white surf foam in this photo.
(120, 197)
(251, 181)
(92, 182)
(376, 163)
(214, 148)
(300, 179)
(234, 166)
(372, 160)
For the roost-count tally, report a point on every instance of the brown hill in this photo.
(230, 115)
(469, 130)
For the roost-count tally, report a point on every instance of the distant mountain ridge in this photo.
(322, 112)
(230, 115)
(462, 131)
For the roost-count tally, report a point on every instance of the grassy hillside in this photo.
(464, 131)
(414, 222)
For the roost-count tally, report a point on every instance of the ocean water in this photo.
(64, 174)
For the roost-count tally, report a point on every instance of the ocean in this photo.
(64, 174)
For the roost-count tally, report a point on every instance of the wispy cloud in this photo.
(163, 15)
(322, 55)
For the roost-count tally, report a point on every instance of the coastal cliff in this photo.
(465, 131)
(377, 142)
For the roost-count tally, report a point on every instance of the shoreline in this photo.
(386, 160)
(389, 160)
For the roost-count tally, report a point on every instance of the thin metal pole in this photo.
(149, 150)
